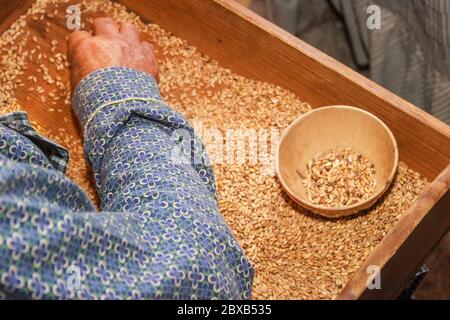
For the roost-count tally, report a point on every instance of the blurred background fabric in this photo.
(409, 54)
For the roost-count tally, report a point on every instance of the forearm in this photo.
(171, 241)
(128, 141)
(129, 134)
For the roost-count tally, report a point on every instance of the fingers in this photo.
(105, 27)
(76, 37)
(130, 32)
(149, 50)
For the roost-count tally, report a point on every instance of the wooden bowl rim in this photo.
(345, 210)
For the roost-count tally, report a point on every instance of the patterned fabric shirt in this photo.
(159, 234)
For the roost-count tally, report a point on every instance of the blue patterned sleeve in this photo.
(159, 233)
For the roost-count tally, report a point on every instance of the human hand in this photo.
(110, 46)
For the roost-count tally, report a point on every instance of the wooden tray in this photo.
(251, 46)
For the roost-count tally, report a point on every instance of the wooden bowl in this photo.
(328, 128)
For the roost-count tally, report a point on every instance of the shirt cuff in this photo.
(57, 155)
(111, 85)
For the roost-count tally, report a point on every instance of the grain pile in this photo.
(339, 178)
(295, 254)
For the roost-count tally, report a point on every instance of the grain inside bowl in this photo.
(336, 128)
(338, 178)
(295, 254)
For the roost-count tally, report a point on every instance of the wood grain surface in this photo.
(11, 10)
(255, 48)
